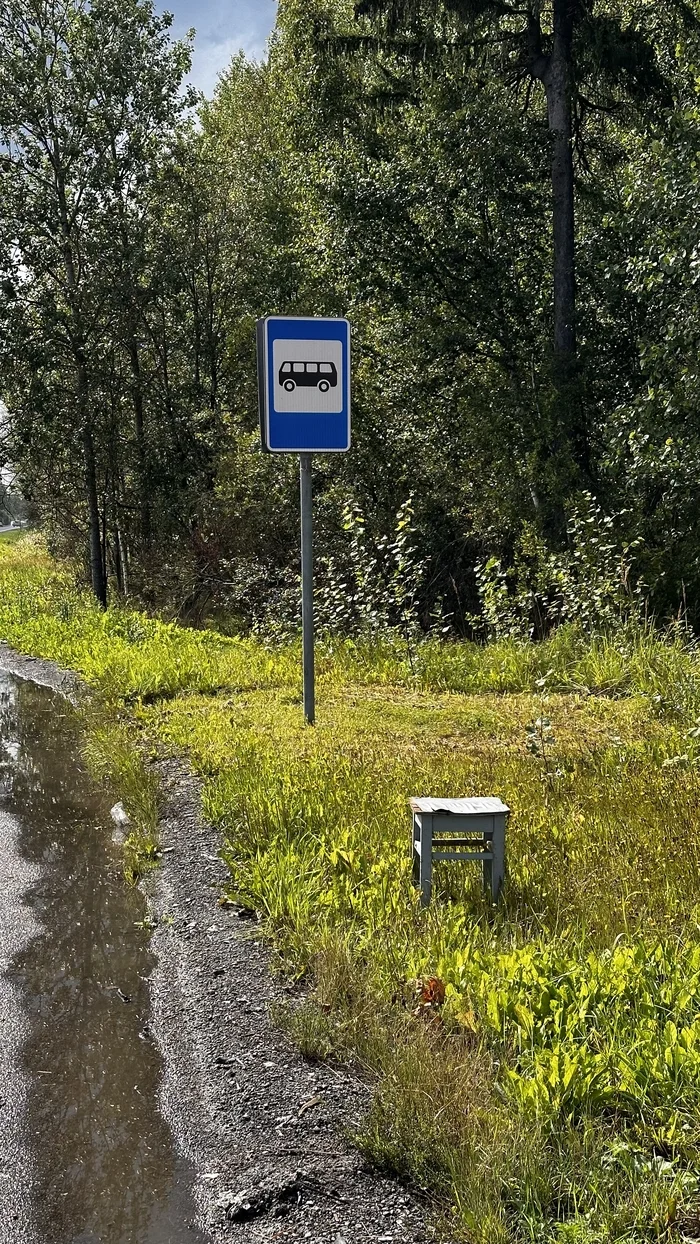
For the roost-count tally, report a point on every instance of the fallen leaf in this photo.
(430, 996)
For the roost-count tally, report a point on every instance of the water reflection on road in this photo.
(105, 1171)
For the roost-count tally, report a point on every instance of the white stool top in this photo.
(460, 807)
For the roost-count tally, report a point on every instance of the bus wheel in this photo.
(289, 386)
(323, 386)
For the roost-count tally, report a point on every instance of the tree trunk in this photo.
(105, 540)
(129, 293)
(123, 562)
(97, 574)
(137, 399)
(558, 89)
(117, 560)
(97, 568)
(122, 538)
(571, 428)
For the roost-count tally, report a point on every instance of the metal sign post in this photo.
(304, 388)
(307, 587)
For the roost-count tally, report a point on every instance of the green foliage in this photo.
(123, 653)
(398, 172)
(591, 584)
(90, 104)
(381, 590)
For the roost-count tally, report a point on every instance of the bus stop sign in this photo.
(304, 385)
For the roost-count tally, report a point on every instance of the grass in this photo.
(536, 1065)
(121, 765)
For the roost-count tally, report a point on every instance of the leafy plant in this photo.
(591, 584)
(381, 592)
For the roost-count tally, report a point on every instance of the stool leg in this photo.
(487, 870)
(498, 867)
(416, 843)
(426, 859)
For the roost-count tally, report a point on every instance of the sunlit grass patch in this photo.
(123, 653)
(585, 815)
(551, 1094)
(130, 655)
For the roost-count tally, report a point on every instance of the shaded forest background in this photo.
(397, 164)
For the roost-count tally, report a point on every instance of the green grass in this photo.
(122, 766)
(554, 1097)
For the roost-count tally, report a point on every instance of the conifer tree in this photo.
(587, 59)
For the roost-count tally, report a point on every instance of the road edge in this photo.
(264, 1130)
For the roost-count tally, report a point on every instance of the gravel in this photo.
(263, 1128)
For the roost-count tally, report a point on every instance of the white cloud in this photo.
(210, 58)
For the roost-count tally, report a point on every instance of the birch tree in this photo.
(86, 92)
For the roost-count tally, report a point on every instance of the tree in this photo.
(85, 91)
(589, 60)
(654, 438)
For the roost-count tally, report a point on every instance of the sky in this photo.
(223, 27)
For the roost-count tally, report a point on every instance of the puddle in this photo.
(102, 1161)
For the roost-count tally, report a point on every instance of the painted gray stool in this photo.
(459, 829)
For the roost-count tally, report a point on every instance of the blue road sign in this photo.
(304, 382)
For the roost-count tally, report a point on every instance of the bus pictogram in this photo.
(321, 376)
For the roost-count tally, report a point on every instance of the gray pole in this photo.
(307, 586)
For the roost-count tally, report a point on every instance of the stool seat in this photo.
(458, 807)
(443, 828)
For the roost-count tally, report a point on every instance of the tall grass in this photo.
(560, 1082)
(553, 1094)
(129, 655)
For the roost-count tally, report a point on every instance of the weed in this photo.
(307, 1025)
(116, 758)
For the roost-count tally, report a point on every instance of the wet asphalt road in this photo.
(17, 927)
(85, 1155)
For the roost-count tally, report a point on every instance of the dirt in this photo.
(264, 1130)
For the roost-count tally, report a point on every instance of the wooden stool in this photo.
(459, 829)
